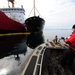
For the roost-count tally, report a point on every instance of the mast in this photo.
(34, 7)
(12, 2)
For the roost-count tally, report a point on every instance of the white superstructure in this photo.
(17, 14)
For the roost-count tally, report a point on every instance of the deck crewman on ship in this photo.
(69, 56)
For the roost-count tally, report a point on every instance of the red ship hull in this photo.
(8, 25)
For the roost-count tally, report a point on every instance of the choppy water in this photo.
(14, 51)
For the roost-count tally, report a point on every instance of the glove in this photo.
(63, 38)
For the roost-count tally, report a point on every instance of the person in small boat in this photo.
(68, 57)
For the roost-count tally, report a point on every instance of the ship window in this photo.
(19, 16)
(21, 20)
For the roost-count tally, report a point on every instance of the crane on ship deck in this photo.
(12, 2)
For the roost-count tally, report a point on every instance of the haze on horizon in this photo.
(57, 13)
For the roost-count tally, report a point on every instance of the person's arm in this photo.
(67, 41)
(70, 39)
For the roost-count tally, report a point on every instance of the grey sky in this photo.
(57, 13)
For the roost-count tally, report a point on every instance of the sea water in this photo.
(51, 33)
(19, 48)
